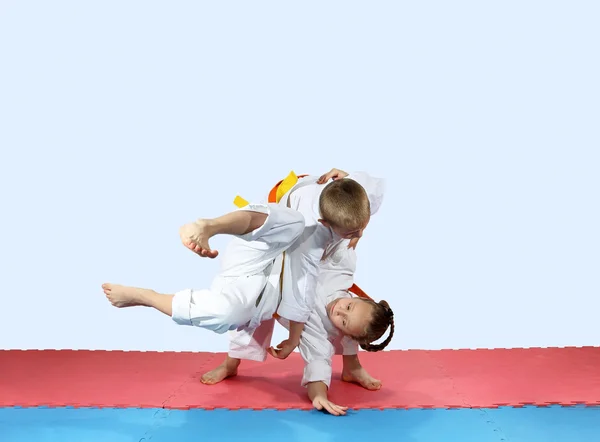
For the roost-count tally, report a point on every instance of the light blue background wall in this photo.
(122, 120)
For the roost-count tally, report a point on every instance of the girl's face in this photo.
(351, 316)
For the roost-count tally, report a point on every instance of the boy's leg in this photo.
(195, 235)
(124, 296)
(216, 311)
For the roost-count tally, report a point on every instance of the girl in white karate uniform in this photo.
(338, 324)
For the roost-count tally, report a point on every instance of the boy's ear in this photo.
(325, 223)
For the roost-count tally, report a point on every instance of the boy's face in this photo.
(351, 316)
(346, 233)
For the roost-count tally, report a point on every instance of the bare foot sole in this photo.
(123, 296)
(220, 373)
(361, 378)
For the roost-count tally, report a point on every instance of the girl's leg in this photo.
(123, 296)
(354, 372)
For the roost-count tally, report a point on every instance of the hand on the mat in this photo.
(195, 237)
(321, 403)
(283, 350)
(334, 174)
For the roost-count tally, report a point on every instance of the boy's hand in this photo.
(284, 349)
(334, 174)
(321, 403)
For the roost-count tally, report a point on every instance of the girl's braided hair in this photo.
(383, 317)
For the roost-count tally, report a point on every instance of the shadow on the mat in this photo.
(286, 389)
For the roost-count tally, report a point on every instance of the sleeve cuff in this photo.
(315, 371)
(260, 208)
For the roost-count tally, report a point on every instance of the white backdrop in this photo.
(120, 121)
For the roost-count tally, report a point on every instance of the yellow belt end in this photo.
(240, 202)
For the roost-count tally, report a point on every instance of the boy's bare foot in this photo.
(123, 296)
(361, 377)
(195, 237)
(226, 370)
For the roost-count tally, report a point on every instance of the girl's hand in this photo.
(321, 403)
(284, 349)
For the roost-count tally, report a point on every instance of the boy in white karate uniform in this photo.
(329, 223)
(333, 213)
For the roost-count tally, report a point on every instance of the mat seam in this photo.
(495, 427)
(156, 423)
(461, 396)
(190, 378)
(159, 417)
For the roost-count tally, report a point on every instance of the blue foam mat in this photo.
(528, 424)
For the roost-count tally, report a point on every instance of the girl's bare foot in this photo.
(361, 377)
(123, 296)
(226, 370)
(195, 237)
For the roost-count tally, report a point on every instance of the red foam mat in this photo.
(411, 379)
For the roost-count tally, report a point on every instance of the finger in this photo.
(325, 177)
(330, 409)
(339, 408)
(282, 354)
(276, 353)
(340, 411)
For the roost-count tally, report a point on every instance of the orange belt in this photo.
(275, 195)
(359, 292)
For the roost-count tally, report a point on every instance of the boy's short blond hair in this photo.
(344, 203)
